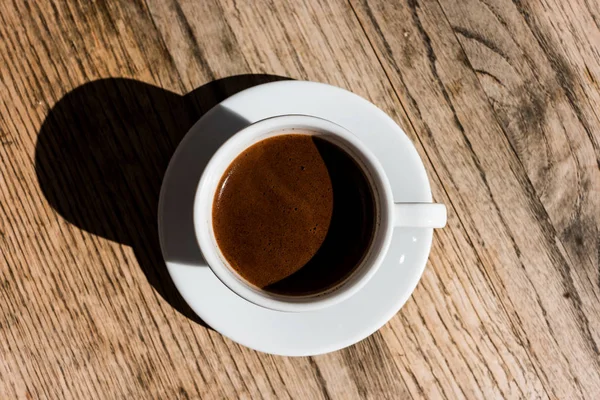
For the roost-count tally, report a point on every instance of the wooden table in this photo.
(501, 99)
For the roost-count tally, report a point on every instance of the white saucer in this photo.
(293, 334)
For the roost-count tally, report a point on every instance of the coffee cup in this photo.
(388, 214)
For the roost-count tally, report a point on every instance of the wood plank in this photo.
(85, 311)
(489, 186)
(548, 71)
(541, 94)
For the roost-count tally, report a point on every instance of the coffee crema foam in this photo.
(293, 214)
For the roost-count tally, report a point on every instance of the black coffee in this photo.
(294, 214)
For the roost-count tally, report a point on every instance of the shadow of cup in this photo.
(102, 153)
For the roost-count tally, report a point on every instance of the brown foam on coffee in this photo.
(273, 208)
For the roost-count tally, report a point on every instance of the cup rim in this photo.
(203, 226)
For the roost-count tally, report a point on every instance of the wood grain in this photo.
(521, 250)
(500, 98)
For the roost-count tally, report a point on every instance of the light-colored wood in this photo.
(500, 98)
(491, 160)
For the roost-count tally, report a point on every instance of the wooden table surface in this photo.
(501, 99)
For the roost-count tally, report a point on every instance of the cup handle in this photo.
(420, 215)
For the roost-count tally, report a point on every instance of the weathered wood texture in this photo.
(501, 99)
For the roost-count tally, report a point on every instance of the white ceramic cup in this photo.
(388, 215)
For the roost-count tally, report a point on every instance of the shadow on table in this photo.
(102, 153)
